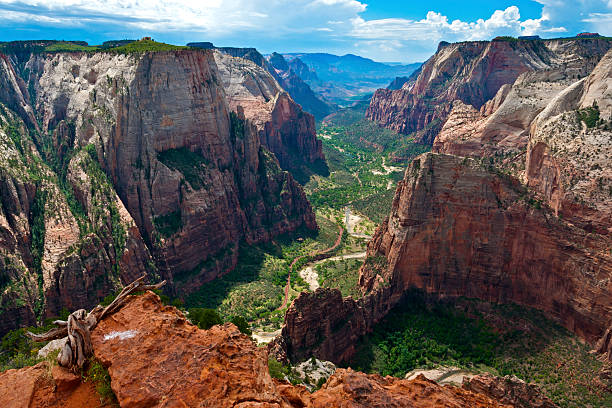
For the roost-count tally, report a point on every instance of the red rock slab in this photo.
(351, 389)
(39, 387)
(156, 358)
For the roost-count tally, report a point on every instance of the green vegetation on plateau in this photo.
(116, 47)
(500, 339)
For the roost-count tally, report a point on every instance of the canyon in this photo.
(115, 164)
(469, 224)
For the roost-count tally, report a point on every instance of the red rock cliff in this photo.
(472, 72)
(457, 229)
(143, 170)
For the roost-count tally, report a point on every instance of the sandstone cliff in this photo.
(293, 82)
(156, 358)
(570, 149)
(473, 73)
(457, 229)
(135, 163)
(289, 80)
(283, 127)
(461, 228)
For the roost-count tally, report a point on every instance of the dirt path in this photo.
(265, 337)
(315, 253)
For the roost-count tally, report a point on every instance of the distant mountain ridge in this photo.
(343, 79)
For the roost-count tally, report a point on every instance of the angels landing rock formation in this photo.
(115, 164)
(473, 73)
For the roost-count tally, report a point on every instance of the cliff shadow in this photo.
(254, 289)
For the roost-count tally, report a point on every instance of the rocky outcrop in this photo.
(138, 165)
(324, 324)
(291, 82)
(219, 367)
(502, 125)
(45, 386)
(156, 358)
(376, 391)
(283, 127)
(568, 161)
(473, 73)
(509, 390)
(397, 83)
(458, 229)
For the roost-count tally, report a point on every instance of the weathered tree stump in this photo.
(77, 329)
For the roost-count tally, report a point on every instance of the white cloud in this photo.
(336, 25)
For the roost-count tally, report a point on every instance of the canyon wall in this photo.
(135, 163)
(473, 73)
(283, 127)
(523, 217)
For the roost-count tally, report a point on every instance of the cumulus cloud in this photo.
(332, 25)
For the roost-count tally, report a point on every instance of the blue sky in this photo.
(405, 31)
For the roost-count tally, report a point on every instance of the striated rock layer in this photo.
(135, 164)
(473, 73)
(458, 228)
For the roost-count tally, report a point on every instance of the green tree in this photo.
(204, 318)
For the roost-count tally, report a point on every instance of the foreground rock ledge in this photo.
(156, 358)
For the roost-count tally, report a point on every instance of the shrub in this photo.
(204, 318)
(242, 325)
(98, 374)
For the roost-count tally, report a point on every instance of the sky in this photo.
(384, 30)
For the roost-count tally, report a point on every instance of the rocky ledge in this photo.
(157, 358)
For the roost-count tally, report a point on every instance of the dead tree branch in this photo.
(77, 329)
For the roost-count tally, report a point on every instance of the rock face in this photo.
(457, 229)
(324, 324)
(509, 390)
(144, 169)
(179, 364)
(41, 386)
(289, 80)
(283, 127)
(347, 388)
(295, 85)
(569, 163)
(473, 73)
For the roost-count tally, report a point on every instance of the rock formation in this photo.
(289, 80)
(156, 358)
(134, 163)
(457, 229)
(473, 73)
(509, 390)
(46, 386)
(297, 88)
(283, 127)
